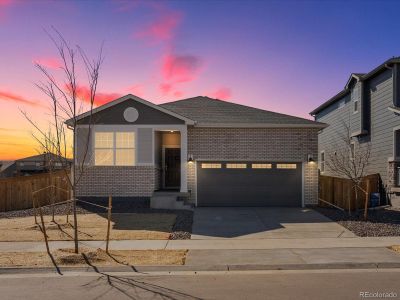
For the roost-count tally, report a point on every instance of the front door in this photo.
(172, 168)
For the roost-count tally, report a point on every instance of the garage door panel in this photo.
(249, 187)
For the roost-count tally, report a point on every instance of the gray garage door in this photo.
(249, 184)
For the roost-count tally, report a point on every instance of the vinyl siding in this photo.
(115, 115)
(329, 138)
(378, 97)
(144, 146)
(83, 145)
(355, 117)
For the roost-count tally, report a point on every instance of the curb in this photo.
(203, 268)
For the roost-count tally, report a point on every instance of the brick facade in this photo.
(256, 144)
(252, 144)
(138, 181)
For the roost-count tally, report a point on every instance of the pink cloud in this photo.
(165, 88)
(178, 94)
(49, 62)
(222, 93)
(3, 5)
(9, 96)
(180, 68)
(162, 29)
(83, 93)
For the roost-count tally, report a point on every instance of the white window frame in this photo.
(355, 95)
(115, 148)
(352, 152)
(355, 106)
(322, 163)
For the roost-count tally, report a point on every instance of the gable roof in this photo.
(353, 77)
(208, 112)
(132, 97)
(358, 76)
(42, 157)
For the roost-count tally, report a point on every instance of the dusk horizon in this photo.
(280, 60)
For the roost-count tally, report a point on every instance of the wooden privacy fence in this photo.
(16, 192)
(338, 191)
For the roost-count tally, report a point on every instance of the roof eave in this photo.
(378, 69)
(332, 100)
(261, 125)
(187, 121)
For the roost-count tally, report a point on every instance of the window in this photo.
(114, 148)
(236, 166)
(210, 166)
(286, 166)
(397, 144)
(355, 96)
(322, 162)
(355, 106)
(124, 149)
(352, 151)
(261, 166)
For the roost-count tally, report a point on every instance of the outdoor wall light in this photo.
(190, 158)
(310, 158)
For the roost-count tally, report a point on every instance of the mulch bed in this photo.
(380, 222)
(181, 231)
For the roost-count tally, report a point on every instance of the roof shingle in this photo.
(205, 110)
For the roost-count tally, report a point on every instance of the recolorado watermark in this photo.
(378, 295)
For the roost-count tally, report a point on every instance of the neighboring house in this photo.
(7, 168)
(213, 152)
(36, 164)
(370, 106)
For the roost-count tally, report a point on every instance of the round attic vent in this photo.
(131, 114)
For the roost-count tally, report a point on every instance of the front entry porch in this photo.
(170, 150)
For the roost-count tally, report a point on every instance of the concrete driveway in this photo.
(264, 223)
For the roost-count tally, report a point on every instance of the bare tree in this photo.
(66, 104)
(350, 160)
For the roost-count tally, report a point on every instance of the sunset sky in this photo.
(284, 56)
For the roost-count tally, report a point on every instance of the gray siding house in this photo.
(208, 152)
(369, 105)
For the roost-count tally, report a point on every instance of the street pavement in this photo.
(301, 285)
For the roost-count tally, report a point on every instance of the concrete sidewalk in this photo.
(212, 244)
(371, 257)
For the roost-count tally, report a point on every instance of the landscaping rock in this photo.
(380, 222)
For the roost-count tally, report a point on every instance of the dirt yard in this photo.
(93, 257)
(125, 226)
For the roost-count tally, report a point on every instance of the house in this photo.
(369, 105)
(207, 151)
(7, 168)
(35, 164)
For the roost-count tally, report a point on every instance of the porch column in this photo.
(184, 157)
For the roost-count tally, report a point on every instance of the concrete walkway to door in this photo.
(264, 223)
